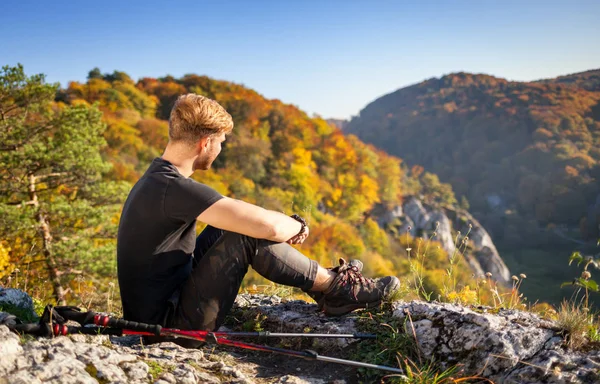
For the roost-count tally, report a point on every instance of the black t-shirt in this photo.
(156, 239)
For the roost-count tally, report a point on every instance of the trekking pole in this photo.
(209, 337)
(307, 354)
(53, 320)
(275, 334)
(284, 334)
(85, 318)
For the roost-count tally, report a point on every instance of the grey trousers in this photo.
(221, 260)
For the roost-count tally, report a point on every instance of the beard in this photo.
(203, 163)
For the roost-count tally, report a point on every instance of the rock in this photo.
(407, 226)
(93, 359)
(385, 216)
(423, 221)
(439, 220)
(289, 379)
(10, 350)
(413, 208)
(485, 251)
(298, 316)
(510, 347)
(136, 370)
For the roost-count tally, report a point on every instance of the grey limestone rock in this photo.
(507, 347)
(419, 219)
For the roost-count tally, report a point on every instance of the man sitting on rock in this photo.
(168, 276)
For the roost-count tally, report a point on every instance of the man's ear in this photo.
(202, 143)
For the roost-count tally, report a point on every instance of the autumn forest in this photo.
(521, 157)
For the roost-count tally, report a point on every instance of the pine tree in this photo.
(52, 195)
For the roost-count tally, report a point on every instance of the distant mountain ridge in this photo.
(588, 80)
(532, 147)
(340, 123)
(525, 155)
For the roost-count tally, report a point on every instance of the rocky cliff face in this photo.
(422, 220)
(507, 347)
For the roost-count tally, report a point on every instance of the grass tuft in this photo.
(578, 325)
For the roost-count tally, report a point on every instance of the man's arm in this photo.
(251, 220)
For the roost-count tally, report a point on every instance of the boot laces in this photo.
(353, 276)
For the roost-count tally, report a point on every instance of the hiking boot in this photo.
(350, 290)
(318, 296)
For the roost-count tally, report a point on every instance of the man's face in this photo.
(209, 153)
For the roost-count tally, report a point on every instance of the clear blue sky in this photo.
(327, 57)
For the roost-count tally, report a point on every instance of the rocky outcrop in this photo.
(422, 220)
(104, 359)
(94, 359)
(507, 347)
(484, 250)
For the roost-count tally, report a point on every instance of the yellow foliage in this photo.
(369, 191)
(277, 199)
(334, 197)
(333, 238)
(303, 178)
(376, 265)
(432, 280)
(213, 179)
(374, 236)
(6, 267)
(465, 296)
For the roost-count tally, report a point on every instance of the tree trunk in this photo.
(44, 231)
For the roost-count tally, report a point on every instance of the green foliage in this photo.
(392, 345)
(21, 313)
(576, 317)
(154, 368)
(93, 372)
(51, 188)
(436, 192)
(593, 333)
(430, 373)
(247, 319)
(584, 281)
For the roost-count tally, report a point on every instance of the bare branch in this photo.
(21, 205)
(54, 174)
(69, 271)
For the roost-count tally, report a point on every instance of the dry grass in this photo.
(576, 322)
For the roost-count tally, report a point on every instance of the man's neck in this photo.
(181, 157)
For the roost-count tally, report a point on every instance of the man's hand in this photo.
(299, 239)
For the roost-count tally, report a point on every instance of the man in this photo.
(168, 276)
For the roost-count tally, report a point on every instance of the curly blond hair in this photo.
(194, 117)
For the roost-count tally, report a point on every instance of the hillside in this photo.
(588, 80)
(525, 156)
(527, 147)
